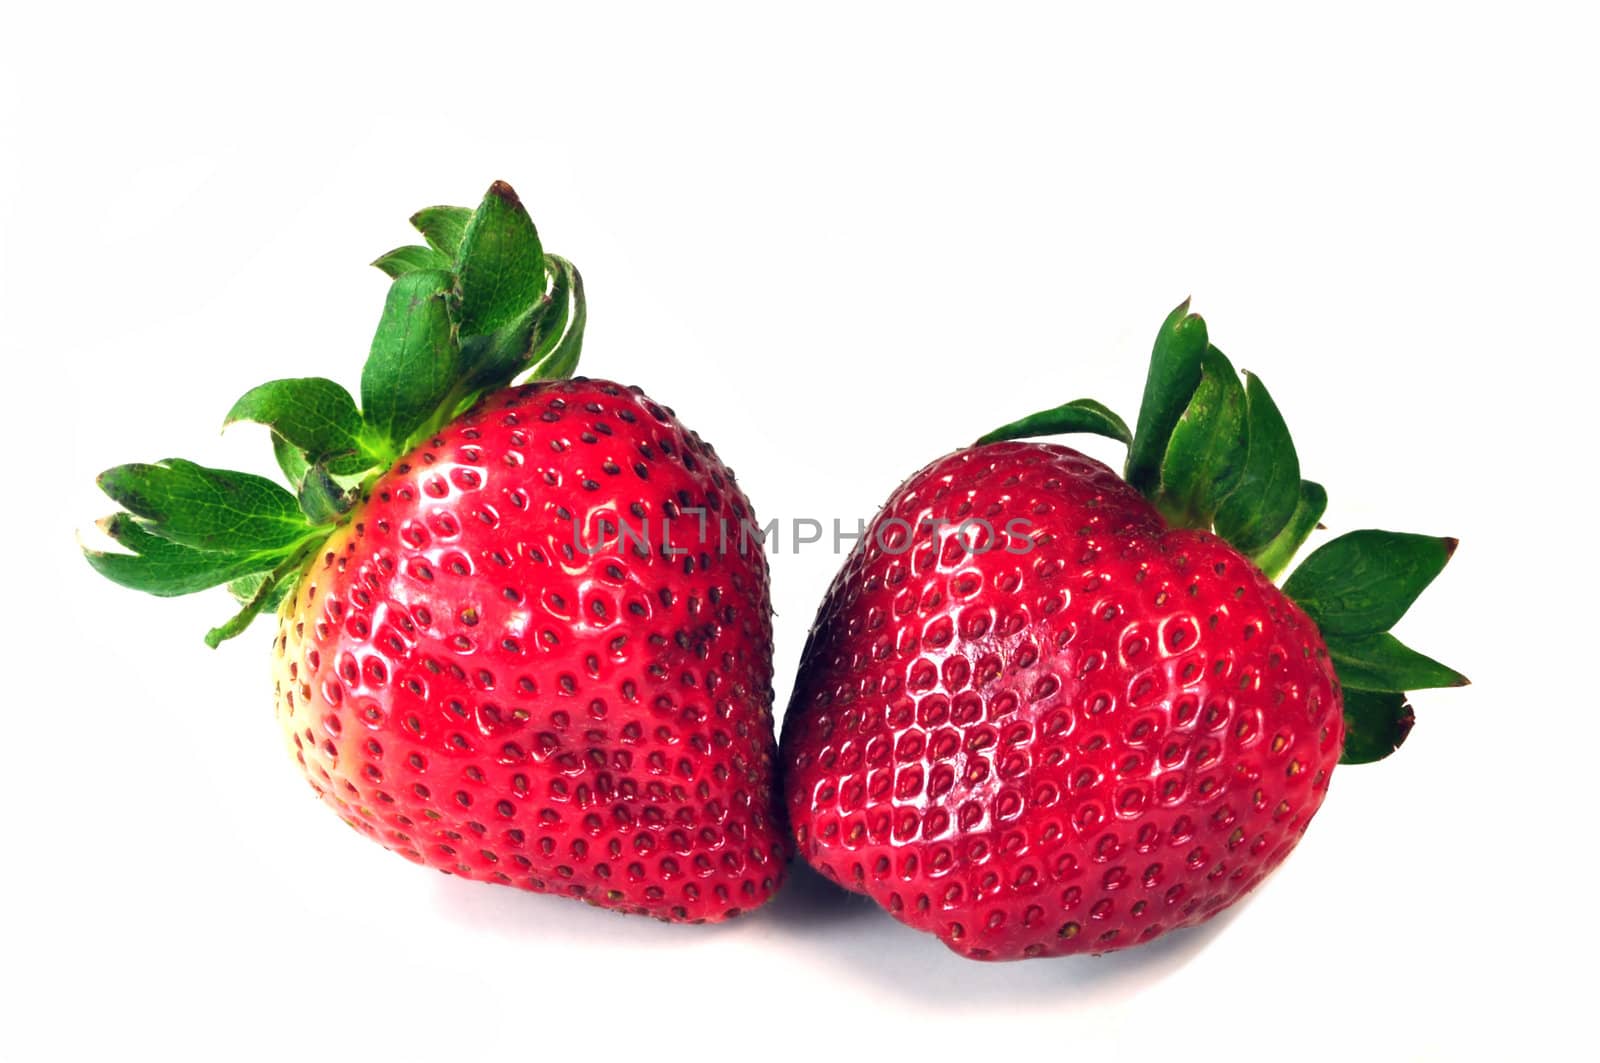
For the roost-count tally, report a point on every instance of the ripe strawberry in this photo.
(516, 641)
(1041, 712)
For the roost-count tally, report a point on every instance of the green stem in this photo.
(241, 620)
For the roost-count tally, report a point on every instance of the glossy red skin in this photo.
(466, 688)
(1071, 749)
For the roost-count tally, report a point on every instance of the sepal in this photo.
(411, 258)
(413, 361)
(1206, 450)
(1079, 415)
(482, 279)
(442, 228)
(291, 460)
(560, 342)
(1355, 588)
(500, 267)
(1383, 662)
(314, 415)
(1375, 724)
(1173, 375)
(1363, 582)
(543, 342)
(1264, 499)
(245, 589)
(1275, 556)
(209, 509)
(164, 568)
(321, 498)
(1210, 451)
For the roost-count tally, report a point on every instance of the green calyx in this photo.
(1210, 450)
(478, 307)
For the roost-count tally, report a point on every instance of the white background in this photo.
(840, 240)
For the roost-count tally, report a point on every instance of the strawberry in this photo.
(1046, 710)
(514, 643)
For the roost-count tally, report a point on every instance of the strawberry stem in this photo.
(241, 620)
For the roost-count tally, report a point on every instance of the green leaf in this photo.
(1363, 582)
(560, 342)
(245, 589)
(271, 589)
(413, 360)
(1268, 490)
(1079, 415)
(412, 257)
(1383, 662)
(1172, 378)
(1274, 557)
(321, 499)
(212, 509)
(1375, 723)
(442, 228)
(540, 341)
(315, 415)
(1206, 451)
(291, 459)
(164, 568)
(492, 360)
(500, 266)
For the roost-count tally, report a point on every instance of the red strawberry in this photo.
(1035, 716)
(510, 647)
